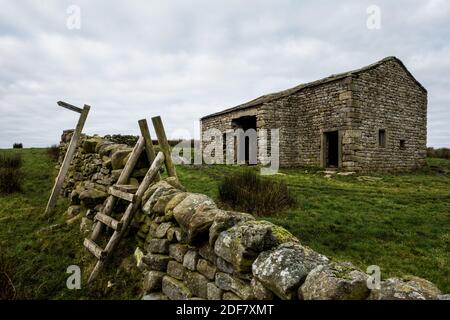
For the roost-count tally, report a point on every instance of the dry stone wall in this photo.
(188, 248)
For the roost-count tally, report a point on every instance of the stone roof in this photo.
(281, 94)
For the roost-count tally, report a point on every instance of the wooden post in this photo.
(151, 155)
(164, 146)
(69, 154)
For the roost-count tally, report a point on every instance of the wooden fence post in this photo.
(69, 154)
(151, 155)
(164, 146)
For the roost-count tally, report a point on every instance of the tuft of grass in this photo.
(247, 191)
(7, 288)
(11, 161)
(10, 174)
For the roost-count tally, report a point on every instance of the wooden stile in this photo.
(130, 193)
(123, 179)
(129, 213)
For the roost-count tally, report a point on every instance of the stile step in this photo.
(109, 221)
(95, 249)
(128, 188)
(121, 194)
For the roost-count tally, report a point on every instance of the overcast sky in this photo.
(185, 59)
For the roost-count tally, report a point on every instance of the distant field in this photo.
(401, 223)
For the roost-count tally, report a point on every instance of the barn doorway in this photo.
(331, 149)
(245, 141)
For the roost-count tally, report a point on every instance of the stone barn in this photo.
(373, 118)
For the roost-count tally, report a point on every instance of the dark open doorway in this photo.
(249, 145)
(332, 149)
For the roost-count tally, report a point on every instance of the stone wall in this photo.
(399, 106)
(188, 248)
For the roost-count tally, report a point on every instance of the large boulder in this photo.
(117, 158)
(157, 197)
(241, 244)
(284, 269)
(335, 281)
(89, 145)
(153, 193)
(108, 149)
(225, 220)
(410, 288)
(195, 214)
(92, 197)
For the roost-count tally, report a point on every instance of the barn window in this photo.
(402, 144)
(382, 138)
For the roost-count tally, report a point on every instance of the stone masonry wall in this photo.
(188, 248)
(356, 105)
(399, 106)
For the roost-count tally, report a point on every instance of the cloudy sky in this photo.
(186, 59)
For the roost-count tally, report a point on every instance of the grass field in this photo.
(36, 259)
(401, 223)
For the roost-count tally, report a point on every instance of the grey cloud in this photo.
(185, 59)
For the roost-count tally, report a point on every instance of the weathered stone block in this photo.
(230, 296)
(155, 296)
(335, 281)
(259, 291)
(162, 229)
(177, 251)
(224, 266)
(158, 246)
(284, 269)
(195, 215)
(92, 197)
(226, 282)
(175, 289)
(153, 281)
(196, 283)
(225, 220)
(153, 193)
(213, 292)
(410, 288)
(207, 252)
(176, 270)
(241, 244)
(156, 262)
(206, 268)
(118, 157)
(190, 259)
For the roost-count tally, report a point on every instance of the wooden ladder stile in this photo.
(126, 218)
(130, 193)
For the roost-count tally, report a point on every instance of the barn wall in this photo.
(388, 98)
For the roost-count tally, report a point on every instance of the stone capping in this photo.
(188, 248)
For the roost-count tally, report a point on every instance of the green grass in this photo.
(400, 223)
(36, 260)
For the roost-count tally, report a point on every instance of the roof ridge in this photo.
(333, 77)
